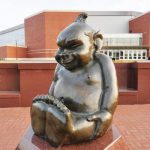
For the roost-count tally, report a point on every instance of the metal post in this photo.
(16, 50)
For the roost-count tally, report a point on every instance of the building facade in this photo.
(126, 35)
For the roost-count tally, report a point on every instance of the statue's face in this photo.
(75, 48)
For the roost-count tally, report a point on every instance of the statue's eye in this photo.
(75, 45)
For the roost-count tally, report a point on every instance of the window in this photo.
(123, 40)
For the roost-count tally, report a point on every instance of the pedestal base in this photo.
(111, 140)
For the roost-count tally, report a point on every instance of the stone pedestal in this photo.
(112, 140)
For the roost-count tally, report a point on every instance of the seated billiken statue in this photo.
(83, 95)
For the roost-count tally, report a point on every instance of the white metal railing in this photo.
(123, 54)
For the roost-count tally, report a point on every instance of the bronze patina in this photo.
(83, 95)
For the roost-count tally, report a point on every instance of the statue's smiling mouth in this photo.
(68, 63)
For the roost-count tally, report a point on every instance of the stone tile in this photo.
(133, 121)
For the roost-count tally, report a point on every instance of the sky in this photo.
(13, 12)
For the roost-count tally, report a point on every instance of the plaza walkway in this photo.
(133, 121)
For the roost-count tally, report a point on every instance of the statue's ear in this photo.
(98, 38)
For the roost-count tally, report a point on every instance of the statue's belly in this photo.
(80, 93)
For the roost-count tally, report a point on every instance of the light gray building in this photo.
(13, 36)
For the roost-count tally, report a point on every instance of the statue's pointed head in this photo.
(77, 44)
(81, 18)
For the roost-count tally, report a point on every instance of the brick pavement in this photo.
(133, 121)
(13, 123)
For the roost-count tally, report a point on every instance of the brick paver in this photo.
(13, 123)
(133, 121)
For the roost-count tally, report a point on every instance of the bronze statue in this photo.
(83, 95)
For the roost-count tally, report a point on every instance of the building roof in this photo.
(142, 14)
(12, 29)
(90, 13)
(113, 13)
(95, 13)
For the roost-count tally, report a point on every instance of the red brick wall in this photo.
(141, 25)
(16, 52)
(13, 52)
(41, 32)
(3, 52)
(56, 22)
(41, 53)
(35, 32)
(126, 74)
(9, 77)
(143, 85)
(21, 52)
(35, 78)
(30, 79)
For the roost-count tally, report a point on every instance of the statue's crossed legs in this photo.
(52, 120)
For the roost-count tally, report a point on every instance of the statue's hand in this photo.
(59, 104)
(44, 98)
(52, 100)
(37, 98)
(103, 116)
(68, 114)
(94, 117)
(98, 121)
(102, 119)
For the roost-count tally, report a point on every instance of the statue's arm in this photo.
(110, 91)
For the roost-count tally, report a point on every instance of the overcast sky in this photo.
(13, 12)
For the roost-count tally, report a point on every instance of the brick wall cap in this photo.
(8, 65)
(142, 64)
(37, 66)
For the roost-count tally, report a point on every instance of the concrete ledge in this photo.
(142, 65)
(8, 65)
(35, 66)
(123, 65)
